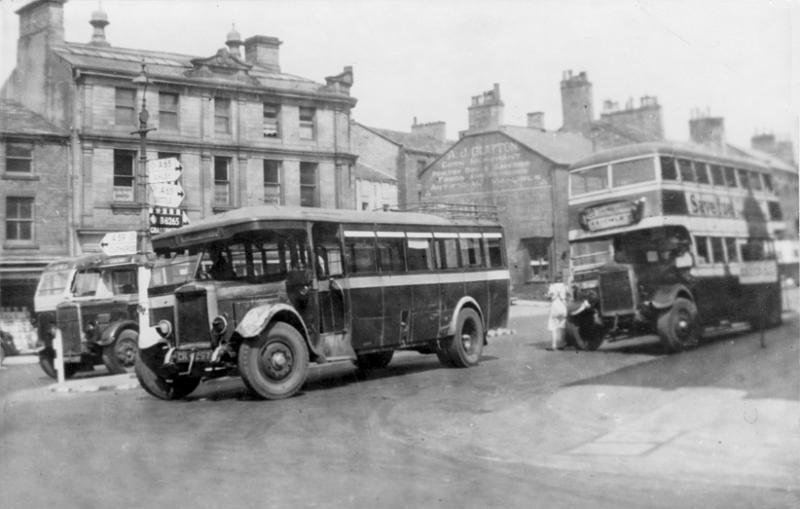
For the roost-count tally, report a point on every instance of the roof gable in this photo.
(17, 119)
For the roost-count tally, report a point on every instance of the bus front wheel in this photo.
(464, 348)
(173, 388)
(120, 356)
(275, 364)
(677, 326)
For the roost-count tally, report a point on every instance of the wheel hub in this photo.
(278, 361)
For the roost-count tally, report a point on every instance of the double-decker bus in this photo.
(264, 291)
(670, 238)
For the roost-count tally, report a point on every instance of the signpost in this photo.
(166, 194)
(166, 218)
(163, 170)
(119, 243)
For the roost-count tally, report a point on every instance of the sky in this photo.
(426, 59)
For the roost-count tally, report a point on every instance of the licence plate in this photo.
(199, 355)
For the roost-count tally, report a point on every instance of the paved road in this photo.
(622, 427)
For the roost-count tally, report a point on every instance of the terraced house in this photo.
(245, 132)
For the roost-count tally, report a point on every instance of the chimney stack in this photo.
(707, 130)
(436, 130)
(536, 120)
(486, 110)
(576, 102)
(263, 50)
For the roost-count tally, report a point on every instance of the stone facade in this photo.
(245, 132)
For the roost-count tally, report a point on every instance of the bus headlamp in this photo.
(164, 328)
(219, 325)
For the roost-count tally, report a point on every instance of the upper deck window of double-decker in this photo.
(589, 180)
(625, 173)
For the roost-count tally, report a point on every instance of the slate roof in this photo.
(560, 147)
(171, 67)
(413, 141)
(367, 172)
(17, 119)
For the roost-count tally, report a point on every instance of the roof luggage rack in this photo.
(456, 210)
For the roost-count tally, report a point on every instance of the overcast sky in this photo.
(426, 59)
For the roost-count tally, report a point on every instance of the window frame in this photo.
(122, 192)
(268, 124)
(227, 182)
(121, 109)
(274, 185)
(19, 222)
(306, 124)
(11, 146)
(306, 186)
(164, 113)
(222, 114)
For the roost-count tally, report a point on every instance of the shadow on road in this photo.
(730, 361)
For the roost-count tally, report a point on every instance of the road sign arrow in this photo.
(167, 195)
(119, 243)
(163, 170)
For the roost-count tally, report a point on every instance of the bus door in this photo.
(329, 271)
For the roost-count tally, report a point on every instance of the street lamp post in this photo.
(141, 175)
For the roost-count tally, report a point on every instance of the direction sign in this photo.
(163, 170)
(166, 218)
(167, 195)
(119, 243)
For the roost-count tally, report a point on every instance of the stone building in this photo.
(245, 131)
(403, 155)
(34, 177)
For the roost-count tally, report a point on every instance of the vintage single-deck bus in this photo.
(670, 238)
(92, 300)
(263, 291)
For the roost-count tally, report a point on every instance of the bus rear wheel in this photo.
(465, 347)
(677, 326)
(120, 356)
(173, 388)
(275, 364)
(376, 360)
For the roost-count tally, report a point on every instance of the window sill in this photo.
(125, 205)
(222, 208)
(19, 176)
(9, 245)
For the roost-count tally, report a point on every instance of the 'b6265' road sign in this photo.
(166, 218)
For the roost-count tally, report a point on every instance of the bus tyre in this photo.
(677, 326)
(585, 335)
(120, 356)
(177, 387)
(47, 361)
(275, 364)
(464, 348)
(376, 360)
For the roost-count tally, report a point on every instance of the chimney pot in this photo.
(264, 51)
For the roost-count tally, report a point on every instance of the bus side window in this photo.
(668, 169)
(495, 252)
(471, 252)
(730, 247)
(702, 250)
(753, 250)
(717, 177)
(359, 255)
(390, 255)
(701, 170)
(447, 253)
(419, 254)
(730, 177)
(744, 180)
(717, 250)
(687, 172)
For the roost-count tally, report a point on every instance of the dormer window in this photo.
(272, 127)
